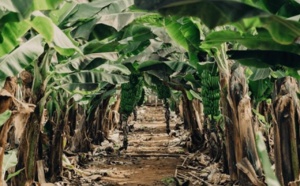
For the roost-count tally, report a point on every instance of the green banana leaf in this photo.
(13, 26)
(11, 34)
(94, 77)
(118, 20)
(86, 62)
(152, 52)
(13, 63)
(262, 41)
(260, 73)
(86, 11)
(183, 31)
(46, 4)
(4, 117)
(271, 179)
(212, 13)
(168, 66)
(24, 8)
(62, 43)
(219, 12)
(6, 6)
(112, 13)
(285, 8)
(10, 160)
(96, 46)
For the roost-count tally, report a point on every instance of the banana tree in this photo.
(164, 92)
(196, 8)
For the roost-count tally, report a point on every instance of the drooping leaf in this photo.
(148, 54)
(83, 62)
(165, 66)
(6, 6)
(260, 73)
(173, 28)
(44, 26)
(11, 35)
(63, 13)
(24, 7)
(4, 117)
(11, 175)
(52, 33)
(285, 8)
(46, 4)
(13, 63)
(94, 77)
(264, 158)
(86, 11)
(219, 12)
(195, 94)
(260, 89)
(119, 20)
(262, 41)
(101, 46)
(113, 67)
(282, 31)
(289, 9)
(212, 13)
(80, 88)
(10, 160)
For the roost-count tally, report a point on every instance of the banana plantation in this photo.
(74, 71)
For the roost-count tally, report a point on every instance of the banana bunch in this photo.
(131, 93)
(210, 93)
(163, 91)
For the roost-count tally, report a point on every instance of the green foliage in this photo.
(10, 160)
(210, 93)
(4, 117)
(261, 84)
(169, 181)
(271, 179)
(13, 63)
(131, 94)
(163, 91)
(211, 12)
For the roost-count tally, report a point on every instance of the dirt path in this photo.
(152, 158)
(152, 155)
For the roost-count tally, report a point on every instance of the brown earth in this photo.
(150, 160)
(153, 158)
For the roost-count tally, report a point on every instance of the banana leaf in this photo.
(13, 63)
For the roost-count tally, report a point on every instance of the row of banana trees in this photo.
(63, 62)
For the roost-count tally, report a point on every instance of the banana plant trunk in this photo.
(190, 120)
(124, 125)
(239, 131)
(5, 104)
(97, 133)
(286, 130)
(167, 115)
(80, 142)
(57, 145)
(28, 150)
(241, 155)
